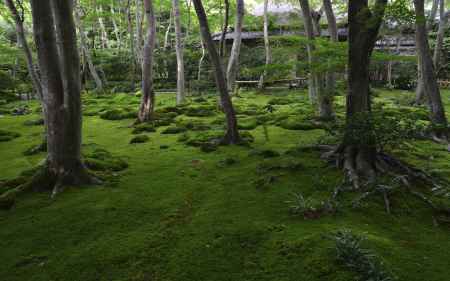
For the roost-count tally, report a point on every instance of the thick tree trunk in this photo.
(181, 95)
(317, 81)
(148, 96)
(232, 134)
(222, 50)
(358, 157)
(266, 43)
(21, 38)
(233, 62)
(61, 88)
(430, 85)
(85, 48)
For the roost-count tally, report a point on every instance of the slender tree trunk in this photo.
(437, 57)
(139, 31)
(332, 29)
(148, 96)
(222, 43)
(233, 62)
(232, 134)
(85, 48)
(61, 89)
(104, 34)
(116, 27)
(200, 62)
(181, 95)
(433, 13)
(20, 31)
(421, 95)
(317, 80)
(132, 48)
(167, 34)
(266, 44)
(431, 87)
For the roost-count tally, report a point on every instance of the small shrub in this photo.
(351, 254)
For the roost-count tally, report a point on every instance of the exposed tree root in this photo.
(362, 172)
(44, 179)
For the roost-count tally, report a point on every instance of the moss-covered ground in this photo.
(180, 213)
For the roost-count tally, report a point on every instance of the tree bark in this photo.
(266, 44)
(233, 62)
(359, 157)
(431, 87)
(421, 95)
(139, 31)
(181, 95)
(85, 48)
(61, 89)
(21, 38)
(148, 96)
(232, 133)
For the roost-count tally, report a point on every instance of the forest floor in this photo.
(179, 212)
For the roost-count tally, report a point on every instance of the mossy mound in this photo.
(247, 123)
(7, 135)
(140, 139)
(294, 123)
(36, 122)
(102, 160)
(200, 111)
(193, 124)
(118, 114)
(173, 130)
(144, 128)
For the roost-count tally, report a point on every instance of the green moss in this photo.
(182, 214)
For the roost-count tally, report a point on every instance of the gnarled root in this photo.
(46, 179)
(363, 166)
